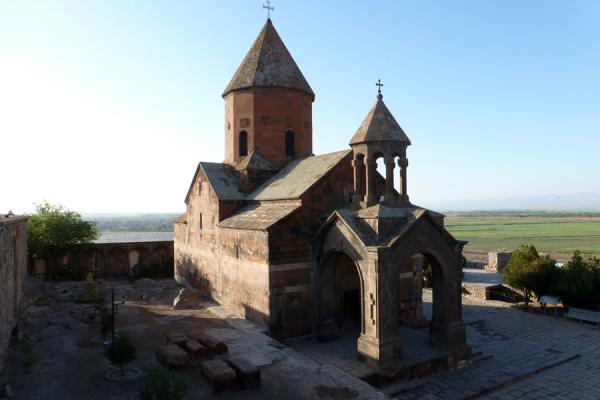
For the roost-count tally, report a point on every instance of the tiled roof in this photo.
(268, 63)
(134, 237)
(254, 161)
(222, 179)
(259, 216)
(297, 177)
(379, 125)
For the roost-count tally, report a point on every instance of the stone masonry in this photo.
(497, 260)
(13, 269)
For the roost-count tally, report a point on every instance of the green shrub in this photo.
(579, 283)
(532, 274)
(160, 384)
(121, 352)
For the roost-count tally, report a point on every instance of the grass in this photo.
(552, 234)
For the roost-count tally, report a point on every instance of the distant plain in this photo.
(551, 233)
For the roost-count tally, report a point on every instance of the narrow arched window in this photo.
(290, 150)
(243, 144)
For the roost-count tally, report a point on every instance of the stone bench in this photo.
(178, 338)
(247, 374)
(195, 349)
(583, 315)
(172, 356)
(220, 376)
(214, 345)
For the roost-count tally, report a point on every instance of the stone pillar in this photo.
(447, 328)
(403, 164)
(359, 178)
(389, 180)
(380, 343)
(371, 167)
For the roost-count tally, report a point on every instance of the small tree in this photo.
(530, 273)
(52, 230)
(160, 384)
(579, 282)
(121, 352)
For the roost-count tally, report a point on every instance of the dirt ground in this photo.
(59, 354)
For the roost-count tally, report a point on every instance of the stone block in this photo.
(497, 260)
(220, 376)
(247, 374)
(178, 338)
(172, 356)
(214, 345)
(195, 349)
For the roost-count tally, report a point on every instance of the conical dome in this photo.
(378, 126)
(268, 63)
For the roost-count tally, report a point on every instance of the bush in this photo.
(160, 384)
(579, 283)
(121, 352)
(530, 273)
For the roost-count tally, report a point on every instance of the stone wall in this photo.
(13, 270)
(110, 260)
(497, 260)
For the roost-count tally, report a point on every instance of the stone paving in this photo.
(524, 356)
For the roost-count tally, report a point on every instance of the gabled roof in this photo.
(259, 217)
(379, 125)
(297, 177)
(405, 218)
(222, 180)
(254, 161)
(268, 63)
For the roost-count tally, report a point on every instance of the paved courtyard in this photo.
(523, 356)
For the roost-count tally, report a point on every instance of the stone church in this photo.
(315, 244)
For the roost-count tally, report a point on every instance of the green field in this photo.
(552, 234)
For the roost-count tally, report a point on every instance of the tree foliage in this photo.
(531, 273)
(52, 229)
(579, 282)
(121, 352)
(160, 384)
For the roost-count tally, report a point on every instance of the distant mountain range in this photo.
(572, 202)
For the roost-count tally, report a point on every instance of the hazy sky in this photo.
(107, 106)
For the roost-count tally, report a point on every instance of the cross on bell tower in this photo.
(269, 8)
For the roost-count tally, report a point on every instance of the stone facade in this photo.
(307, 244)
(497, 260)
(115, 255)
(13, 270)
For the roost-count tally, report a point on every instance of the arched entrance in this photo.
(340, 305)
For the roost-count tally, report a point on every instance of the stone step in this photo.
(247, 374)
(214, 345)
(195, 349)
(219, 375)
(172, 356)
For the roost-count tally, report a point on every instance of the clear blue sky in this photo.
(107, 106)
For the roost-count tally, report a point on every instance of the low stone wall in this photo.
(13, 270)
(497, 260)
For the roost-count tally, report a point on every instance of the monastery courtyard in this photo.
(517, 355)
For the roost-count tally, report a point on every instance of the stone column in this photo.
(389, 180)
(371, 167)
(380, 343)
(403, 164)
(359, 187)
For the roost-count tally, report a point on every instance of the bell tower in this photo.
(268, 105)
(379, 136)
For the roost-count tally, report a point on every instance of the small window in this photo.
(290, 150)
(200, 221)
(199, 187)
(96, 261)
(243, 144)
